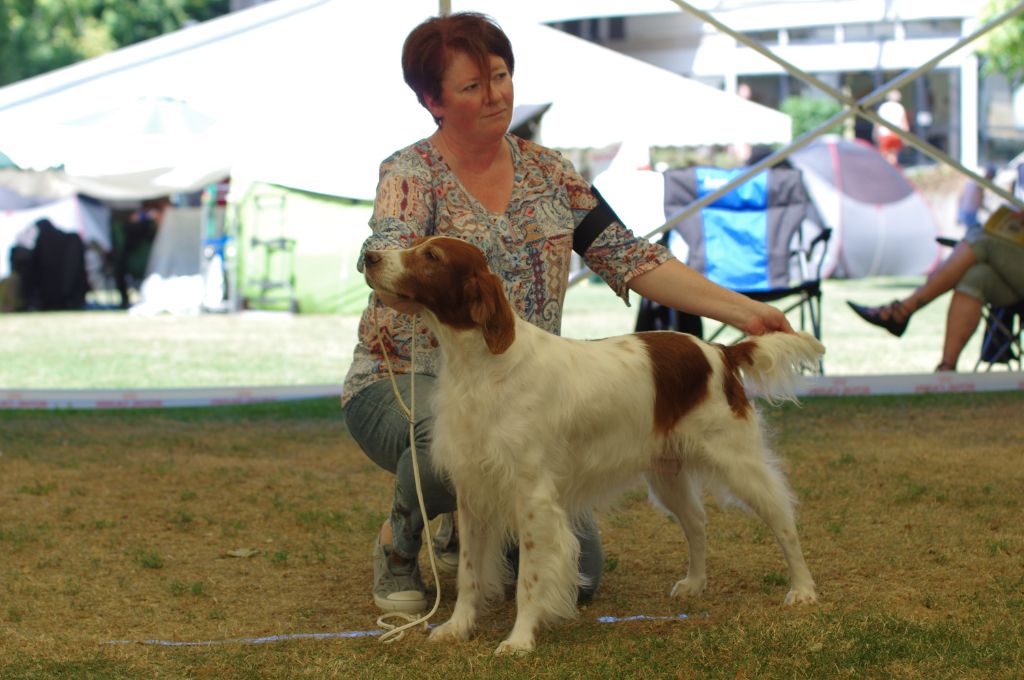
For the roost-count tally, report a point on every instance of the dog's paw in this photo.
(512, 647)
(451, 630)
(689, 587)
(803, 595)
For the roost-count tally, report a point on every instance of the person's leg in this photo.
(996, 279)
(378, 424)
(961, 320)
(895, 316)
(943, 279)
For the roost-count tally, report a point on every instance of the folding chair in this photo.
(764, 239)
(1001, 342)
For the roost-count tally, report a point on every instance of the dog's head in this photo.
(450, 278)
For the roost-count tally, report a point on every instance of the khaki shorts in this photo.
(998, 276)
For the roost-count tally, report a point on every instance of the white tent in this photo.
(137, 149)
(309, 94)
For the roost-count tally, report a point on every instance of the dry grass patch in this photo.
(211, 525)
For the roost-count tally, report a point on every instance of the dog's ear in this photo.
(489, 309)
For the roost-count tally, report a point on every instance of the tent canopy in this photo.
(309, 94)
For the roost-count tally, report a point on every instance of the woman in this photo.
(526, 208)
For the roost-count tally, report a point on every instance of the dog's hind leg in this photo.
(549, 576)
(680, 495)
(741, 460)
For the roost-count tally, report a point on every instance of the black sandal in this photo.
(884, 316)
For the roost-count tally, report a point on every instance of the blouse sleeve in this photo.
(403, 209)
(611, 250)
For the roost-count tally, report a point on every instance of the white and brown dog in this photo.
(534, 429)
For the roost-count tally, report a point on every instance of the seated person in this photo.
(981, 269)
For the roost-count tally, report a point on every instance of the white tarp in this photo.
(309, 94)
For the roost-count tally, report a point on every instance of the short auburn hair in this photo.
(428, 49)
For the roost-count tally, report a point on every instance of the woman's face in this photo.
(474, 106)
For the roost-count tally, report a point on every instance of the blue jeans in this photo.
(376, 421)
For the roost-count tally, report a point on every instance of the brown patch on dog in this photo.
(681, 373)
(450, 277)
(489, 308)
(734, 357)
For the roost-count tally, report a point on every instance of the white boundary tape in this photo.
(344, 634)
(160, 398)
(816, 386)
(921, 383)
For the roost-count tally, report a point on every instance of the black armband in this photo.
(596, 221)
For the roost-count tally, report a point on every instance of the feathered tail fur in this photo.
(772, 363)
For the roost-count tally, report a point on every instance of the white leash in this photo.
(397, 632)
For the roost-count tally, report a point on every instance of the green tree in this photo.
(1002, 48)
(810, 112)
(37, 36)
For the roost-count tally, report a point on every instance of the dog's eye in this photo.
(432, 254)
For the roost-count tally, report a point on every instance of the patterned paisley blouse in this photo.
(529, 246)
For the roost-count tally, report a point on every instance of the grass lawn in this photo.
(214, 526)
(113, 349)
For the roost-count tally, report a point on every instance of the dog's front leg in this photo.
(474, 537)
(549, 576)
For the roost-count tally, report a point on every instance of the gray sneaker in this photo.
(446, 545)
(396, 589)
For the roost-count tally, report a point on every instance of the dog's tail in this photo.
(772, 362)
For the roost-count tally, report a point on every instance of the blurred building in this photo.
(853, 45)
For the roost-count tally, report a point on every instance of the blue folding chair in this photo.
(1001, 342)
(764, 239)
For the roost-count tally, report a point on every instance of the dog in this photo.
(534, 429)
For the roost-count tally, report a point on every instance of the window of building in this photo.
(812, 35)
(595, 30)
(763, 37)
(572, 27)
(869, 32)
(933, 28)
(616, 28)
(764, 90)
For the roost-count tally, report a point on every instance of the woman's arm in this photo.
(402, 211)
(676, 285)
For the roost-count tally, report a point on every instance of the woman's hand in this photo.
(762, 318)
(399, 304)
